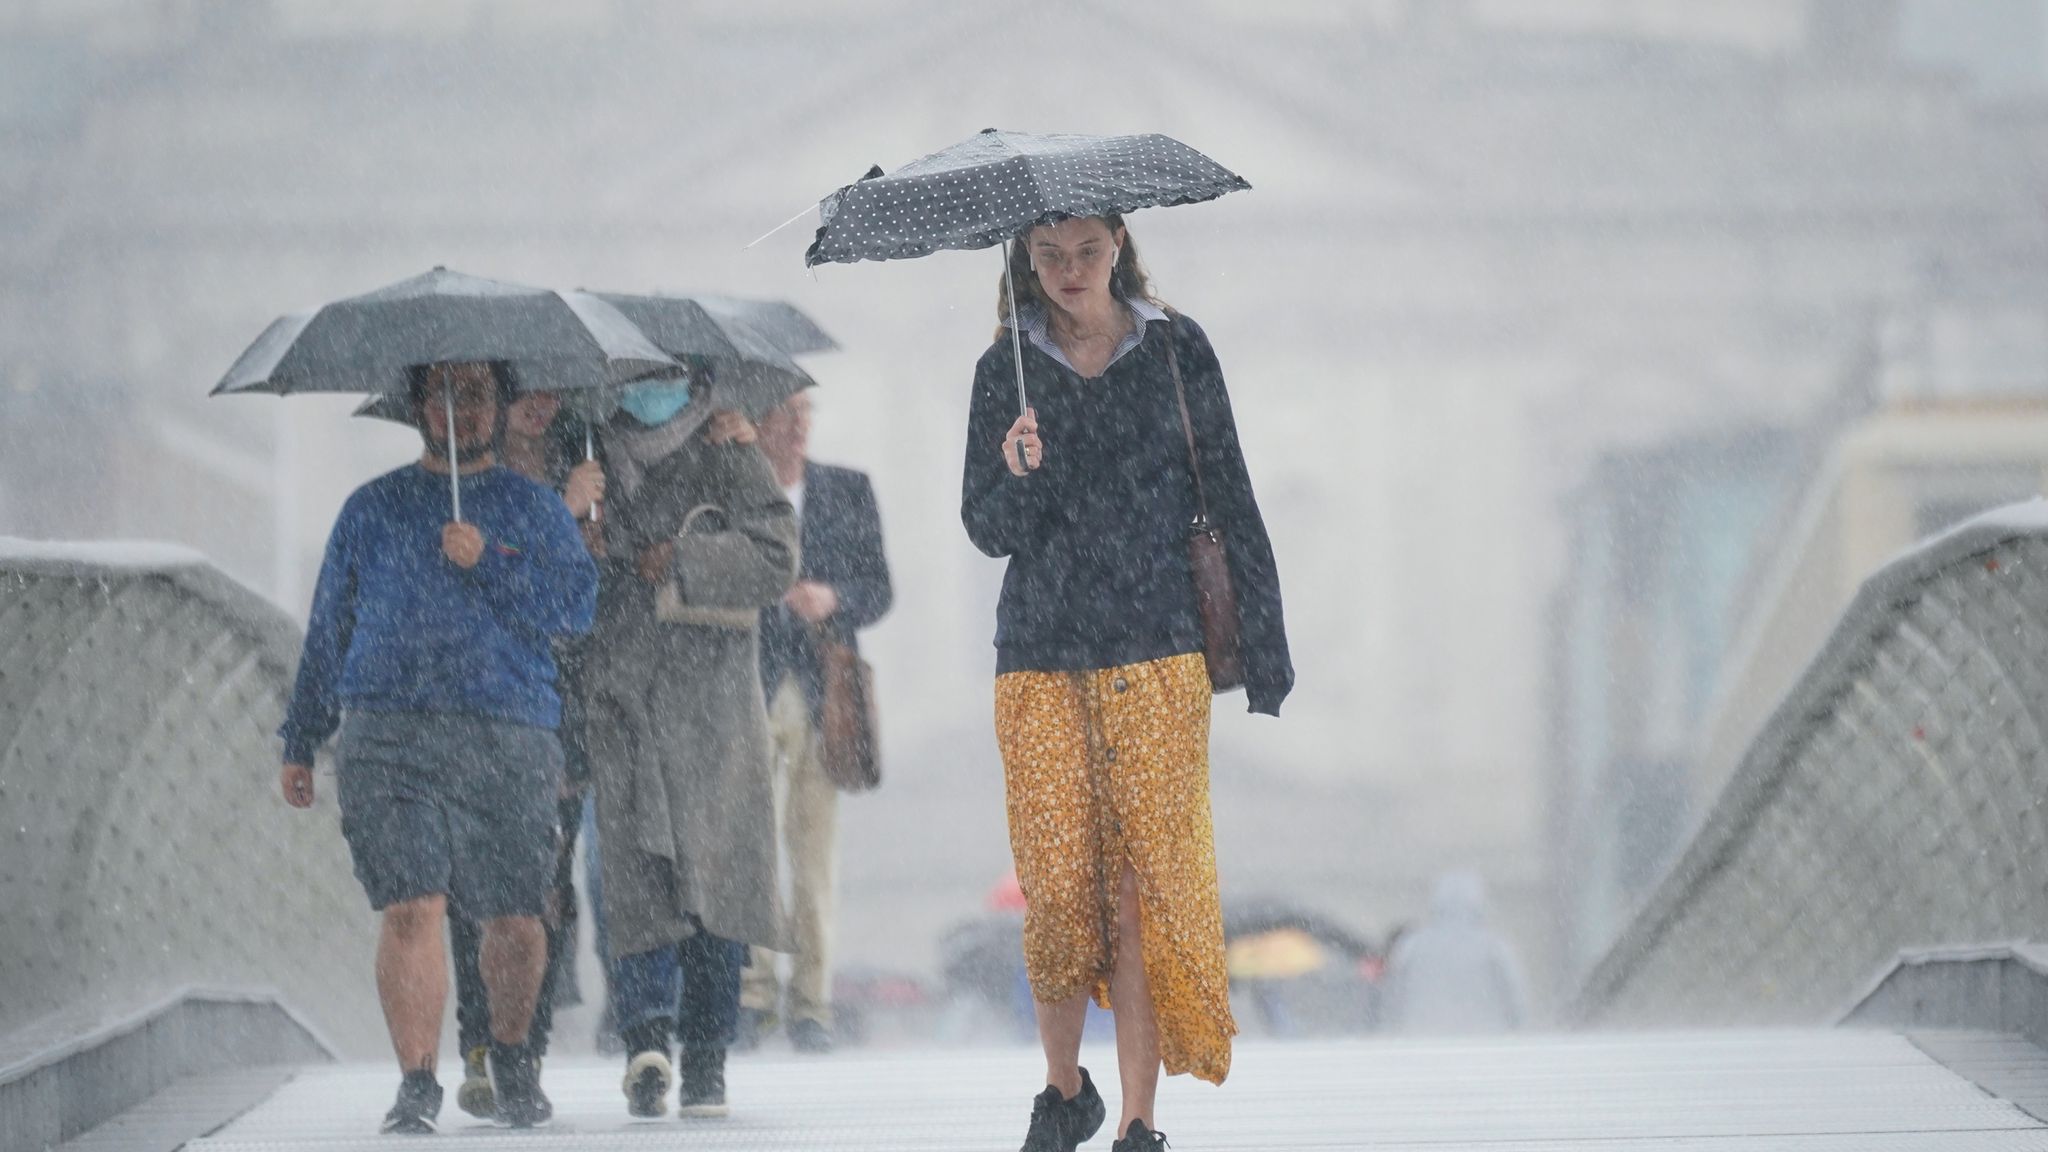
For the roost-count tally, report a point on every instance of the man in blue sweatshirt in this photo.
(428, 650)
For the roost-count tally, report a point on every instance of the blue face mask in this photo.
(656, 402)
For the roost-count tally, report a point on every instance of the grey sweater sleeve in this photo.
(745, 554)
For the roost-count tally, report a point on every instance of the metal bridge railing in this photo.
(1893, 800)
(143, 845)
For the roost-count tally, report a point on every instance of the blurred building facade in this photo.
(1491, 242)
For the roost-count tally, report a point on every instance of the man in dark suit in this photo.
(842, 587)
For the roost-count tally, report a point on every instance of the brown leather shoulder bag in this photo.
(1208, 560)
(849, 729)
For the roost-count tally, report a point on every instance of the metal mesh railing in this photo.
(143, 845)
(1893, 800)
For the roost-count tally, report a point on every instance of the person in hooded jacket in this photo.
(1454, 973)
(1102, 692)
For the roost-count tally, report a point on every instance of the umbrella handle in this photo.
(454, 456)
(589, 454)
(1016, 348)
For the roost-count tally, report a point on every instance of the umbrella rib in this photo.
(807, 210)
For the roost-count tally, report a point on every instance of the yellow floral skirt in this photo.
(1103, 769)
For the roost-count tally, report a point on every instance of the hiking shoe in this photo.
(649, 1076)
(810, 1036)
(703, 1094)
(515, 1087)
(474, 1097)
(419, 1102)
(1139, 1138)
(1062, 1125)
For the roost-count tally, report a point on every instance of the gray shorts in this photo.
(441, 804)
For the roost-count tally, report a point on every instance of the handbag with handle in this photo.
(1209, 562)
(847, 730)
(669, 607)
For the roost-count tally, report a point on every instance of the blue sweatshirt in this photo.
(397, 627)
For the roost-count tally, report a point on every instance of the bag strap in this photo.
(1187, 423)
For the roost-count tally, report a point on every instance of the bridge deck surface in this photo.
(1789, 1091)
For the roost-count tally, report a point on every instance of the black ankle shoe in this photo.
(1139, 1138)
(703, 1076)
(755, 1025)
(418, 1105)
(810, 1037)
(515, 1087)
(1062, 1125)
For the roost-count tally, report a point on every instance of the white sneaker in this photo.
(649, 1076)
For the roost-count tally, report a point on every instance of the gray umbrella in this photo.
(747, 368)
(367, 343)
(790, 328)
(725, 341)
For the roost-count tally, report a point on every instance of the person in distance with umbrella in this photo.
(428, 650)
(1102, 692)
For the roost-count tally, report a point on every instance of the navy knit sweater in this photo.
(397, 627)
(1097, 535)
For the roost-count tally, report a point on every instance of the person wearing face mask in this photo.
(429, 651)
(697, 538)
(1102, 691)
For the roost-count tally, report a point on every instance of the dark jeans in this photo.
(695, 983)
(465, 938)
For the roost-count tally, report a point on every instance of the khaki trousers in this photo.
(807, 820)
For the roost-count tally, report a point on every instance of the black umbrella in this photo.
(369, 343)
(985, 190)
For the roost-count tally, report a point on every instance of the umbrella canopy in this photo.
(722, 340)
(366, 343)
(784, 324)
(1280, 954)
(747, 369)
(985, 190)
(369, 343)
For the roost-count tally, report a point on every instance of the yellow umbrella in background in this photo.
(1279, 954)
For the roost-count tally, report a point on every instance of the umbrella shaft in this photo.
(454, 456)
(590, 453)
(1016, 347)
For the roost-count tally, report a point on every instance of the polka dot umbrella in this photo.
(983, 191)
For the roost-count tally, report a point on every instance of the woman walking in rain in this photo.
(1102, 690)
(697, 538)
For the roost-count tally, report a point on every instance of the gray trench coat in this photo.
(678, 731)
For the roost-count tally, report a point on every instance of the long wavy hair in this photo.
(1127, 281)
